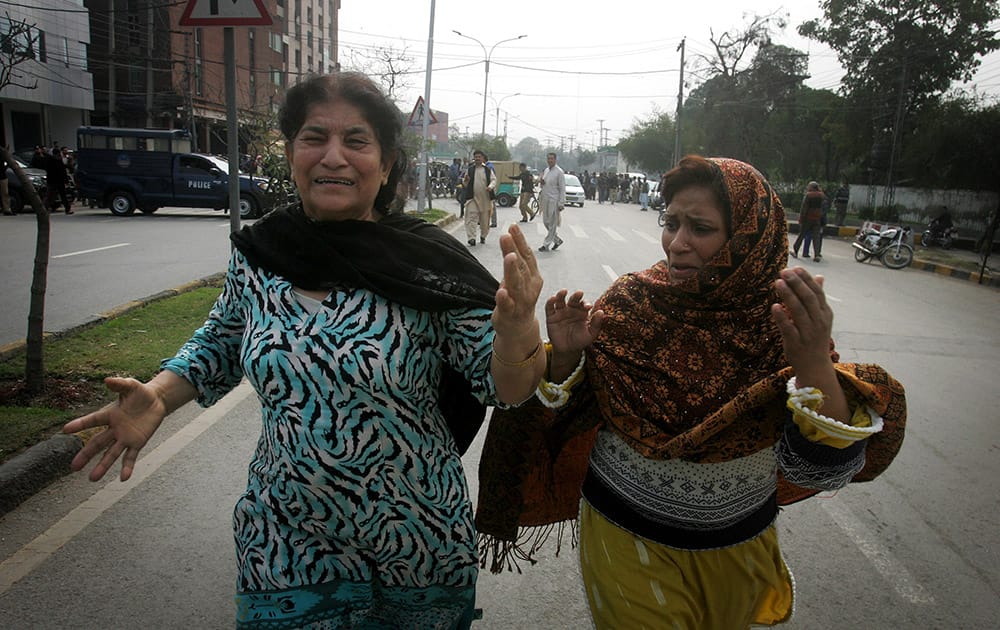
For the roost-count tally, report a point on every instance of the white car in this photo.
(574, 191)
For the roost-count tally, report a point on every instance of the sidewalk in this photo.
(961, 264)
(27, 473)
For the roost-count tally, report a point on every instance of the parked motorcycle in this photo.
(888, 245)
(942, 237)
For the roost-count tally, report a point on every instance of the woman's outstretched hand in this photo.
(805, 321)
(518, 293)
(570, 323)
(129, 423)
(804, 318)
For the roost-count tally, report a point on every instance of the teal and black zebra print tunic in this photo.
(356, 512)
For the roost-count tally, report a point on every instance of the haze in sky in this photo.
(584, 69)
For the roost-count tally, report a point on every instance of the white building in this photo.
(52, 92)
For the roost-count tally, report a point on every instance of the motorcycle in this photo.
(940, 236)
(887, 245)
(657, 203)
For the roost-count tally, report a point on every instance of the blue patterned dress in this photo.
(356, 512)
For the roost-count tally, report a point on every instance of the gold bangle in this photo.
(520, 364)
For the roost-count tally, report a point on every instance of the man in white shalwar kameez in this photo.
(551, 200)
(478, 183)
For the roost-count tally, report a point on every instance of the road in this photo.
(99, 261)
(916, 548)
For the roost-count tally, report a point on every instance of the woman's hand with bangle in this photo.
(572, 324)
(805, 321)
(518, 363)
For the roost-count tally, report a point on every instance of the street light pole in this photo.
(487, 56)
(499, 103)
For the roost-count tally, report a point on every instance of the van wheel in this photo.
(121, 203)
(248, 207)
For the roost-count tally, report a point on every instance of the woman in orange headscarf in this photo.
(681, 410)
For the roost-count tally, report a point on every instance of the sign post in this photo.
(229, 13)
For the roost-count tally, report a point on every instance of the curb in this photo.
(25, 474)
(986, 280)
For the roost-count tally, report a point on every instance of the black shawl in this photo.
(400, 258)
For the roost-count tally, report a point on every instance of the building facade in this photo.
(129, 63)
(48, 89)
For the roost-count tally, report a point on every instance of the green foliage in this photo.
(133, 344)
(495, 147)
(955, 144)
(934, 41)
(866, 213)
(899, 57)
(585, 157)
(889, 214)
(650, 143)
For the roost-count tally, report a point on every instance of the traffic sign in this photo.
(417, 115)
(225, 13)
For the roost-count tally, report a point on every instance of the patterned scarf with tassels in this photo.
(691, 370)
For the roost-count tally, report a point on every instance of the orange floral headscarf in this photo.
(671, 355)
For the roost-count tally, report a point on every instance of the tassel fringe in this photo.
(500, 555)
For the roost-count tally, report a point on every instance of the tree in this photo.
(18, 44)
(493, 146)
(391, 67)
(898, 56)
(530, 151)
(650, 143)
(728, 113)
(585, 157)
(34, 367)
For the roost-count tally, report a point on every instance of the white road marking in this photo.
(611, 272)
(891, 570)
(646, 237)
(46, 544)
(90, 251)
(614, 235)
(578, 231)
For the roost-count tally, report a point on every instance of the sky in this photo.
(584, 69)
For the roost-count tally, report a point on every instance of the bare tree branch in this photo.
(18, 44)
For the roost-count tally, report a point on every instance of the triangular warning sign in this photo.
(417, 115)
(225, 13)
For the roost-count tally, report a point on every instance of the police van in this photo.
(147, 169)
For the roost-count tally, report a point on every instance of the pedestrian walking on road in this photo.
(374, 341)
(551, 201)
(479, 185)
(56, 180)
(680, 411)
(809, 220)
(527, 192)
(840, 199)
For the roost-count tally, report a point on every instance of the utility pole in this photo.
(600, 138)
(889, 195)
(680, 103)
(149, 65)
(422, 187)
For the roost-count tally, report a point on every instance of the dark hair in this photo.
(360, 91)
(552, 154)
(694, 170)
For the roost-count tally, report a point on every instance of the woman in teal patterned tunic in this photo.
(373, 341)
